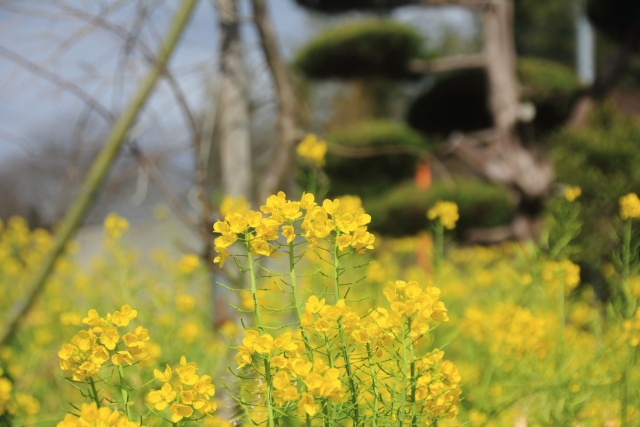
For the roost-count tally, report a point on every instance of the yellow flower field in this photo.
(334, 326)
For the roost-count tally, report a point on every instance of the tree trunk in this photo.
(288, 133)
(499, 154)
(233, 125)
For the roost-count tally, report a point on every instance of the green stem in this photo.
(254, 291)
(298, 301)
(374, 384)
(438, 247)
(258, 318)
(627, 299)
(414, 380)
(343, 341)
(624, 401)
(124, 392)
(99, 169)
(94, 392)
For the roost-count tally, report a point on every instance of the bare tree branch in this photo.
(72, 88)
(96, 175)
(450, 63)
(288, 133)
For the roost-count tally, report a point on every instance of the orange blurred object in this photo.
(423, 176)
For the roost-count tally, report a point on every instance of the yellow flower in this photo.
(233, 205)
(122, 317)
(163, 376)
(313, 149)
(185, 303)
(307, 404)
(161, 398)
(179, 412)
(189, 263)
(630, 206)
(115, 226)
(572, 193)
(447, 212)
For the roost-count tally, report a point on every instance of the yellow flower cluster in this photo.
(290, 368)
(13, 402)
(408, 299)
(90, 349)
(261, 230)
(92, 416)
(572, 193)
(313, 149)
(447, 212)
(184, 393)
(115, 226)
(511, 331)
(631, 330)
(438, 386)
(564, 273)
(630, 206)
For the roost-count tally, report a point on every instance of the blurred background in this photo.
(418, 101)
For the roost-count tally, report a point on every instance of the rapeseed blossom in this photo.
(447, 212)
(572, 193)
(90, 349)
(630, 206)
(279, 217)
(313, 149)
(115, 226)
(185, 393)
(92, 416)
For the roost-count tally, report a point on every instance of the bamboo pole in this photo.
(96, 176)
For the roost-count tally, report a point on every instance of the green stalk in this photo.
(343, 341)
(414, 380)
(94, 392)
(374, 383)
(124, 392)
(254, 291)
(258, 319)
(99, 169)
(298, 301)
(627, 300)
(438, 247)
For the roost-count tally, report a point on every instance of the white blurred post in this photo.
(585, 47)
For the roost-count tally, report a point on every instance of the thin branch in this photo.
(287, 103)
(96, 175)
(58, 81)
(451, 63)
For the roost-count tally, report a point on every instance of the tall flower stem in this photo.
(258, 318)
(343, 341)
(297, 301)
(627, 302)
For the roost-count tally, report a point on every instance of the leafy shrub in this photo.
(458, 101)
(603, 159)
(361, 49)
(340, 6)
(372, 175)
(402, 211)
(549, 85)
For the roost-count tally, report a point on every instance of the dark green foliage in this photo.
(403, 210)
(339, 6)
(603, 160)
(618, 19)
(551, 86)
(372, 175)
(457, 102)
(545, 28)
(381, 48)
